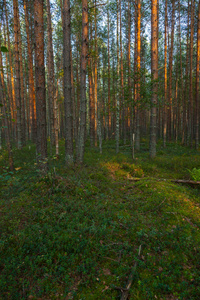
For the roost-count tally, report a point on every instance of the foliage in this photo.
(75, 233)
(195, 174)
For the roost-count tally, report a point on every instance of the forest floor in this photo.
(80, 232)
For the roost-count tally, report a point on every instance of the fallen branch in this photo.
(192, 182)
(125, 291)
(186, 181)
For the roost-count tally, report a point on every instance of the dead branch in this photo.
(192, 182)
(125, 292)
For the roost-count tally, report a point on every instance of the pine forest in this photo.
(99, 149)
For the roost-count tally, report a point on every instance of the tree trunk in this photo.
(31, 86)
(190, 104)
(13, 102)
(109, 100)
(67, 83)
(17, 71)
(23, 120)
(165, 78)
(154, 72)
(130, 108)
(197, 81)
(51, 76)
(117, 133)
(138, 60)
(84, 54)
(170, 123)
(7, 125)
(41, 144)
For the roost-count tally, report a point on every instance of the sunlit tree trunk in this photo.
(154, 72)
(41, 144)
(138, 63)
(197, 82)
(165, 78)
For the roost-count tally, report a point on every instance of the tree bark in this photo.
(67, 83)
(51, 76)
(197, 81)
(154, 72)
(31, 86)
(17, 71)
(84, 54)
(41, 144)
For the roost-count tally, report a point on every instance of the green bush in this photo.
(195, 174)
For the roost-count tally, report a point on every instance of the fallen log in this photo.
(192, 182)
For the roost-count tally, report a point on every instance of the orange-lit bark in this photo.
(169, 125)
(154, 72)
(138, 65)
(197, 82)
(165, 79)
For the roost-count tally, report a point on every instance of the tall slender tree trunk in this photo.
(51, 76)
(5, 113)
(117, 133)
(197, 81)
(165, 78)
(23, 120)
(67, 83)
(170, 122)
(154, 72)
(130, 105)
(109, 98)
(190, 105)
(84, 54)
(185, 100)
(41, 144)
(13, 102)
(17, 71)
(123, 115)
(138, 63)
(31, 86)
(91, 95)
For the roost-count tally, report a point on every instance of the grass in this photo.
(75, 233)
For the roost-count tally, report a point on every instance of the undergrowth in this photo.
(75, 233)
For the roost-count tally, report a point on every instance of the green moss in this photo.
(76, 232)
